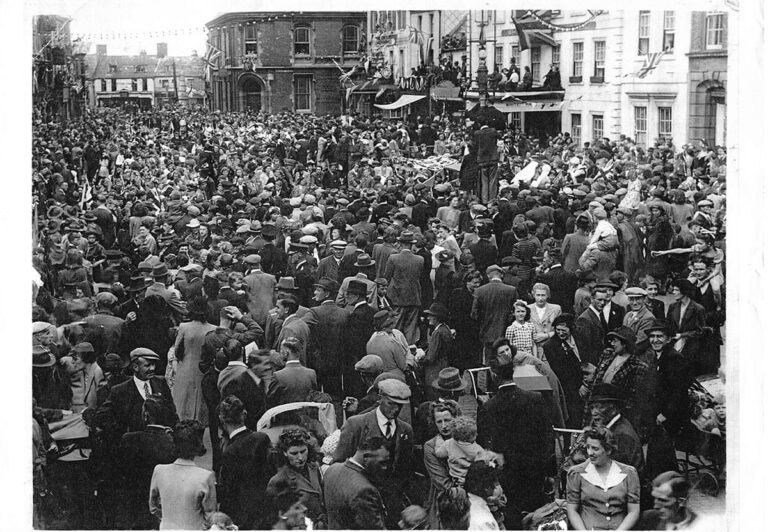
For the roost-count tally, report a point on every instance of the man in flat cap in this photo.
(383, 422)
(260, 289)
(403, 272)
(104, 330)
(122, 411)
(329, 266)
(639, 317)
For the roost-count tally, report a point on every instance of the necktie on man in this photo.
(603, 321)
(147, 391)
(388, 431)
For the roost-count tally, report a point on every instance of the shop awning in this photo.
(405, 99)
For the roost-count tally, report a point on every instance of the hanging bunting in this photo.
(564, 27)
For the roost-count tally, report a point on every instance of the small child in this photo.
(460, 450)
(603, 230)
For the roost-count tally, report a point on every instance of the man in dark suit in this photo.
(139, 453)
(468, 218)
(515, 424)
(403, 271)
(122, 411)
(294, 382)
(358, 331)
(104, 330)
(492, 305)
(484, 251)
(327, 324)
(244, 469)
(251, 386)
(563, 352)
(605, 410)
(329, 266)
(273, 259)
(562, 284)
(488, 160)
(351, 499)
(293, 326)
(383, 422)
(594, 325)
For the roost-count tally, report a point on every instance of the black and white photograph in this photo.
(448, 269)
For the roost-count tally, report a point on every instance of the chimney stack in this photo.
(101, 49)
(162, 50)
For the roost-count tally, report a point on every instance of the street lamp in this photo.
(482, 75)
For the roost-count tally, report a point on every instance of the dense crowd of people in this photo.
(303, 298)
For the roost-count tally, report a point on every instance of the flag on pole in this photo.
(650, 63)
(521, 36)
(211, 60)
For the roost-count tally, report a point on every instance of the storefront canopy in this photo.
(404, 100)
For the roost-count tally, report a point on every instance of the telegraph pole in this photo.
(175, 85)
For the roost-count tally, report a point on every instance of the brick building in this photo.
(283, 61)
(144, 80)
(708, 76)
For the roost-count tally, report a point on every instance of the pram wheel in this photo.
(707, 483)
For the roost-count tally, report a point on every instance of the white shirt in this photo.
(480, 516)
(382, 421)
(140, 386)
(236, 363)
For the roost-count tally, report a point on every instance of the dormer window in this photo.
(112, 69)
(141, 68)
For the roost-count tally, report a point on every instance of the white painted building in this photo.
(393, 39)
(656, 105)
(599, 58)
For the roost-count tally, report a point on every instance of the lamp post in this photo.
(482, 68)
(482, 77)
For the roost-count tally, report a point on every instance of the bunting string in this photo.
(564, 27)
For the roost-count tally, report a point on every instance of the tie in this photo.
(388, 433)
(147, 391)
(603, 322)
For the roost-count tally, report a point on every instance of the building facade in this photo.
(145, 80)
(708, 77)
(656, 105)
(280, 61)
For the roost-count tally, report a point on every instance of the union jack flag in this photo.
(211, 60)
(652, 60)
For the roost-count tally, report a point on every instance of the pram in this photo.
(702, 450)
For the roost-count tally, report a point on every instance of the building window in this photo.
(418, 24)
(641, 125)
(597, 127)
(431, 24)
(301, 40)
(103, 85)
(536, 62)
(251, 39)
(669, 31)
(643, 33)
(576, 128)
(141, 68)
(665, 122)
(134, 85)
(599, 62)
(144, 85)
(112, 69)
(715, 29)
(578, 60)
(515, 121)
(302, 89)
(350, 38)
(401, 66)
(556, 56)
(113, 88)
(164, 83)
(498, 56)
(514, 53)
